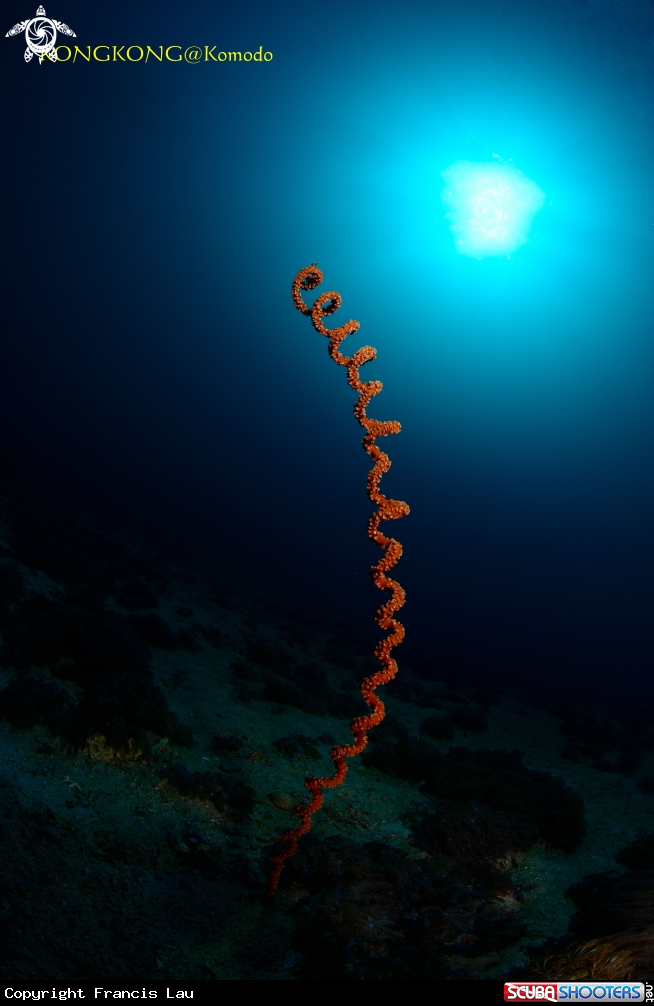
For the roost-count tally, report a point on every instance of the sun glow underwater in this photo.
(490, 206)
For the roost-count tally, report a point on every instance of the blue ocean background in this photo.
(155, 373)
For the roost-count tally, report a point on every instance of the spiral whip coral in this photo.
(308, 279)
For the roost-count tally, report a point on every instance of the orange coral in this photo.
(307, 279)
(625, 956)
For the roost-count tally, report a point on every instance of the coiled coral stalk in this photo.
(307, 279)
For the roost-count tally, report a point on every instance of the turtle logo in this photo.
(40, 35)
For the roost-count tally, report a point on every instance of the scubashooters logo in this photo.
(40, 35)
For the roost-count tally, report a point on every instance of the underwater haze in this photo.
(154, 371)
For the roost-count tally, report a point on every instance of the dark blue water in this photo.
(154, 370)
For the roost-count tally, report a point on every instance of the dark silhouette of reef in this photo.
(225, 793)
(372, 913)
(612, 932)
(272, 674)
(154, 842)
(75, 639)
(487, 803)
(78, 624)
(63, 630)
(611, 745)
